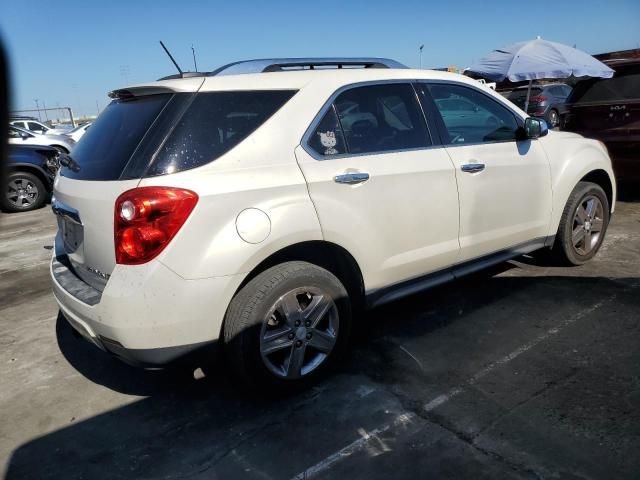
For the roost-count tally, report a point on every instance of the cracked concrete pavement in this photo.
(526, 371)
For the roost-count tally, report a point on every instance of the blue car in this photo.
(30, 172)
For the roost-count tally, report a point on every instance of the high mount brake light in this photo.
(146, 219)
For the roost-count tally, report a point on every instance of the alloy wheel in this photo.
(299, 332)
(588, 224)
(22, 193)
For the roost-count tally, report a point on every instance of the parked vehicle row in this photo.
(19, 136)
(257, 207)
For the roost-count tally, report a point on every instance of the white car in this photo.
(36, 126)
(77, 133)
(19, 136)
(258, 207)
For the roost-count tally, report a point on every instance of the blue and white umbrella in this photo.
(536, 59)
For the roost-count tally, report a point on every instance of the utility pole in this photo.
(44, 108)
(195, 65)
(38, 108)
(97, 107)
(421, 47)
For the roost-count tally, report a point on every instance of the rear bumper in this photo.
(147, 315)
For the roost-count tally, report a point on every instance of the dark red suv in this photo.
(609, 110)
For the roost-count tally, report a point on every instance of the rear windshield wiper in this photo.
(70, 163)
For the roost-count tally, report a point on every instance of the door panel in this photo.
(504, 185)
(399, 224)
(506, 203)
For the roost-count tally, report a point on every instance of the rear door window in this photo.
(380, 118)
(107, 147)
(214, 123)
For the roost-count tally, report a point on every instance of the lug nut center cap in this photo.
(587, 225)
(301, 333)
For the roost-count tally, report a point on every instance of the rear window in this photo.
(214, 124)
(521, 93)
(625, 85)
(107, 146)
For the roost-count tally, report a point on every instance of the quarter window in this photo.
(481, 120)
(328, 139)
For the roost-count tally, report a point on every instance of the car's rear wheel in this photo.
(23, 192)
(287, 326)
(583, 224)
(553, 118)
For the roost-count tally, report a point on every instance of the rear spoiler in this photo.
(130, 92)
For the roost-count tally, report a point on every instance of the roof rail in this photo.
(283, 64)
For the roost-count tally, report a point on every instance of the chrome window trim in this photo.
(304, 143)
(518, 118)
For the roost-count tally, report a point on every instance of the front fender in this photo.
(572, 158)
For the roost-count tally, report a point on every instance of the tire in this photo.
(583, 225)
(258, 313)
(30, 192)
(554, 118)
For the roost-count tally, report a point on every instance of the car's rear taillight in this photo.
(538, 99)
(146, 219)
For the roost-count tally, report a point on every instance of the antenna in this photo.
(195, 65)
(171, 57)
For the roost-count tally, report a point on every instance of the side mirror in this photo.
(535, 128)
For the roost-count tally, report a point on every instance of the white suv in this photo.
(260, 206)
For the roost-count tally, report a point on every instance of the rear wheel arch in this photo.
(327, 255)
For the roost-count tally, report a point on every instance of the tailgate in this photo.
(85, 210)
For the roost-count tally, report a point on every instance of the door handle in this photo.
(351, 178)
(472, 167)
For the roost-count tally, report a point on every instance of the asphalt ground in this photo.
(524, 371)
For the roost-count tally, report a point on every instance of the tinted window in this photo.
(381, 118)
(35, 127)
(106, 148)
(486, 121)
(625, 85)
(328, 138)
(14, 133)
(213, 124)
(521, 93)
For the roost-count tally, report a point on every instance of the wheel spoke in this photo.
(317, 309)
(274, 341)
(581, 215)
(587, 241)
(295, 362)
(577, 236)
(322, 341)
(291, 308)
(596, 225)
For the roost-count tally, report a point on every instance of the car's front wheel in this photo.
(583, 224)
(23, 191)
(287, 326)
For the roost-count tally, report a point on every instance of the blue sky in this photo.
(74, 52)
